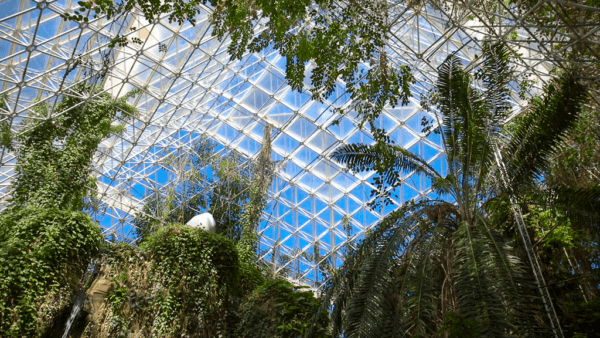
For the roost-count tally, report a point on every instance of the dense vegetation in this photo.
(179, 281)
(276, 309)
(46, 242)
(454, 265)
(433, 266)
(43, 254)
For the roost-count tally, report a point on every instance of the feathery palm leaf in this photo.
(388, 160)
(542, 129)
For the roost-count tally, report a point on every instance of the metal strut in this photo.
(535, 265)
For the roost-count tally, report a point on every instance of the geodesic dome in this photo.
(192, 89)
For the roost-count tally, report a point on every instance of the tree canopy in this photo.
(321, 40)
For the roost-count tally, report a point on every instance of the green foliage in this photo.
(179, 282)
(551, 227)
(541, 130)
(334, 39)
(388, 159)
(183, 281)
(562, 209)
(250, 276)
(278, 309)
(337, 41)
(5, 134)
(550, 21)
(577, 163)
(178, 249)
(208, 262)
(230, 195)
(46, 243)
(55, 149)
(43, 253)
(458, 326)
(581, 319)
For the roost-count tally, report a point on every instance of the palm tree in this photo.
(434, 265)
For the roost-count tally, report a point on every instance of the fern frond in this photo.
(387, 159)
(420, 282)
(357, 290)
(515, 284)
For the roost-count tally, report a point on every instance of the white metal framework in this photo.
(191, 89)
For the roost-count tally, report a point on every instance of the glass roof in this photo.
(192, 89)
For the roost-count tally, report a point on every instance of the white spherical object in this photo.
(203, 221)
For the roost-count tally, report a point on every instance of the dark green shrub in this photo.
(43, 254)
(279, 309)
(581, 319)
(458, 326)
(250, 278)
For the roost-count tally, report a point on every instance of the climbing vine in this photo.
(45, 241)
(55, 149)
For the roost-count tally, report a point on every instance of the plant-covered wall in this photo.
(179, 282)
(184, 281)
(43, 253)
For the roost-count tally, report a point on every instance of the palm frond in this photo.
(542, 129)
(358, 288)
(390, 162)
(493, 287)
(495, 73)
(362, 312)
(472, 118)
(515, 284)
(475, 288)
(420, 284)
(387, 159)
(584, 200)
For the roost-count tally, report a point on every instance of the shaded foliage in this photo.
(581, 319)
(278, 309)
